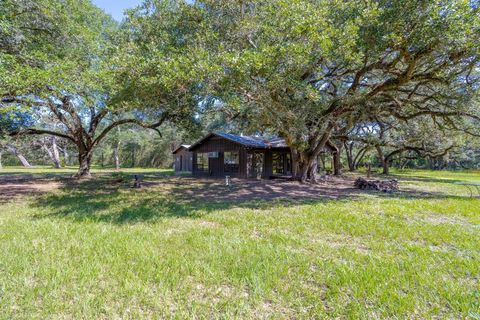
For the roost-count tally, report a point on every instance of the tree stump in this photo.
(138, 181)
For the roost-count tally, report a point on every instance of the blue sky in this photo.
(116, 7)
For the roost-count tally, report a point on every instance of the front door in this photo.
(215, 164)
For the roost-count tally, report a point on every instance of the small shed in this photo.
(182, 159)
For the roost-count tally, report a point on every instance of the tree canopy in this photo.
(48, 44)
(314, 69)
(310, 71)
(89, 86)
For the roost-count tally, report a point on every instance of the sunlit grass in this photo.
(472, 175)
(92, 253)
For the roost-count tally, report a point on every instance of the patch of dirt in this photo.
(445, 248)
(215, 294)
(240, 190)
(193, 190)
(344, 241)
(441, 219)
(269, 309)
(438, 219)
(209, 224)
(14, 187)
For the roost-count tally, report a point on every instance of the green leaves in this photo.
(49, 43)
(296, 67)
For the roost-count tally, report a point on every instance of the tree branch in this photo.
(41, 131)
(152, 126)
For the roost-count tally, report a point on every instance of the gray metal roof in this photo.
(247, 141)
(243, 140)
(256, 142)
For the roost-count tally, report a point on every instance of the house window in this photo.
(202, 161)
(231, 161)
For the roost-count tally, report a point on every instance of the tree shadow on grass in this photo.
(105, 199)
(111, 207)
(14, 187)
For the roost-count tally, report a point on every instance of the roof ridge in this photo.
(245, 140)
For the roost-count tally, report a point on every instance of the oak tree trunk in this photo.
(383, 161)
(52, 153)
(312, 171)
(84, 161)
(56, 154)
(116, 155)
(305, 163)
(133, 157)
(322, 161)
(386, 167)
(359, 157)
(18, 154)
(66, 157)
(337, 164)
(306, 170)
(349, 154)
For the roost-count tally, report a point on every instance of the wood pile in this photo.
(385, 185)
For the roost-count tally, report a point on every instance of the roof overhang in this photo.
(249, 143)
(228, 137)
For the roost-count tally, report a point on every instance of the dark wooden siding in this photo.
(216, 165)
(183, 160)
(268, 170)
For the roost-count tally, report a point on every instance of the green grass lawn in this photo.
(88, 250)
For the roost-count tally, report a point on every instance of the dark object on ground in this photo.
(385, 186)
(138, 181)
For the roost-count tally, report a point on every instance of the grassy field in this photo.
(99, 250)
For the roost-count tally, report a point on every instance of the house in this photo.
(182, 159)
(222, 154)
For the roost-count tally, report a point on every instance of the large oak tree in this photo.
(313, 69)
(74, 64)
